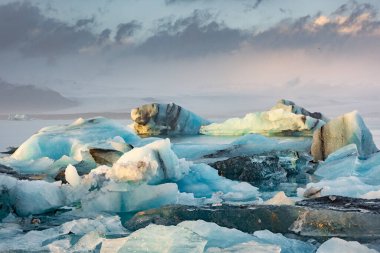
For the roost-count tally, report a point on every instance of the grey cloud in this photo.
(23, 28)
(126, 30)
(197, 35)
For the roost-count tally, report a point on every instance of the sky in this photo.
(148, 48)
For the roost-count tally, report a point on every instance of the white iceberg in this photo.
(273, 122)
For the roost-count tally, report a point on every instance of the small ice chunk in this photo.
(280, 199)
(72, 176)
(337, 245)
(287, 245)
(157, 238)
(152, 163)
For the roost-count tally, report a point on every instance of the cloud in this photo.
(24, 29)
(196, 35)
(351, 25)
(127, 30)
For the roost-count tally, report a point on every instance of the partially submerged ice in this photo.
(162, 119)
(277, 121)
(55, 147)
(341, 131)
(74, 139)
(345, 173)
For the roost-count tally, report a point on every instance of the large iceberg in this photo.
(339, 132)
(55, 147)
(274, 122)
(75, 139)
(166, 119)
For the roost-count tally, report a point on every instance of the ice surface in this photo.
(203, 181)
(201, 236)
(336, 245)
(277, 121)
(287, 245)
(71, 140)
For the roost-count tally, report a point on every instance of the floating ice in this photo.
(277, 121)
(280, 199)
(337, 245)
(339, 132)
(203, 181)
(344, 186)
(153, 163)
(72, 176)
(74, 140)
(159, 119)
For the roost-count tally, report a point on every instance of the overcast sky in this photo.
(192, 47)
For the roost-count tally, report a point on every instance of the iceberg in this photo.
(341, 131)
(166, 119)
(274, 122)
(74, 140)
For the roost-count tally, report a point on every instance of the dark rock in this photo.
(105, 156)
(344, 204)
(10, 151)
(261, 171)
(267, 170)
(319, 223)
(13, 173)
